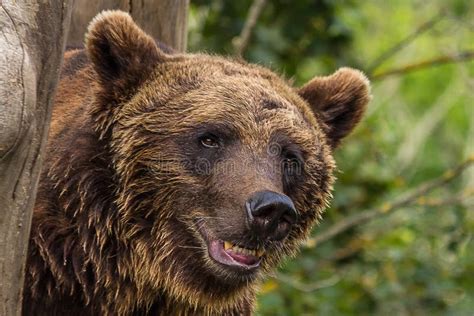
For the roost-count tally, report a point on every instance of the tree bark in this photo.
(165, 20)
(32, 38)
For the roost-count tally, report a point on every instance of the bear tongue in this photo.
(241, 258)
(231, 258)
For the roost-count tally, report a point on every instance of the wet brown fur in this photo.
(120, 198)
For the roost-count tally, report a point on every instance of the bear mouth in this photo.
(230, 254)
(234, 255)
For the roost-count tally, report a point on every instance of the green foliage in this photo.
(416, 260)
(288, 36)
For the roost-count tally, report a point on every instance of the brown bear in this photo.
(174, 183)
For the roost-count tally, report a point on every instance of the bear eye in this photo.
(290, 157)
(209, 141)
(292, 163)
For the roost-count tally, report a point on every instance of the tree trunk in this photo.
(165, 20)
(32, 38)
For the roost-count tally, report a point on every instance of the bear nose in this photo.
(270, 214)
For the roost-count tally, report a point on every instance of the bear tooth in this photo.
(227, 245)
(260, 252)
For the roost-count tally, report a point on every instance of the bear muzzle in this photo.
(269, 216)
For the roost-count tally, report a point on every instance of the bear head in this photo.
(222, 167)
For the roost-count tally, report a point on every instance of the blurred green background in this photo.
(412, 260)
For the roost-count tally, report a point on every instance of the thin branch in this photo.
(358, 243)
(408, 198)
(405, 41)
(440, 60)
(241, 42)
(465, 198)
(352, 248)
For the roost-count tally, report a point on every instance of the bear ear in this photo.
(338, 101)
(121, 53)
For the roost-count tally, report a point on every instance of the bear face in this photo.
(217, 169)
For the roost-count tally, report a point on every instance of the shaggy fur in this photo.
(126, 185)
